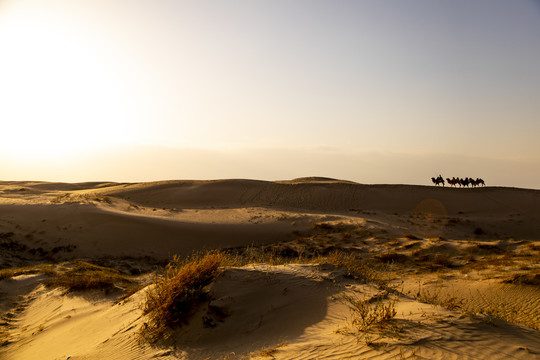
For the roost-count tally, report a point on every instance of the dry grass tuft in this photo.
(178, 291)
(368, 314)
(8, 273)
(392, 257)
(270, 351)
(442, 260)
(435, 298)
(479, 231)
(534, 247)
(532, 278)
(86, 276)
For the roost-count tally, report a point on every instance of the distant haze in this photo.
(375, 91)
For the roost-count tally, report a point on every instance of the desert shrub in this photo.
(288, 252)
(392, 257)
(13, 245)
(442, 260)
(178, 291)
(7, 273)
(478, 231)
(61, 198)
(323, 226)
(86, 276)
(422, 255)
(270, 351)
(487, 249)
(6, 235)
(534, 247)
(502, 260)
(452, 303)
(11, 272)
(524, 279)
(435, 298)
(367, 314)
(105, 199)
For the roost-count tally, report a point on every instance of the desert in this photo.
(293, 180)
(310, 268)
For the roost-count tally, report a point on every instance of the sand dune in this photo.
(461, 268)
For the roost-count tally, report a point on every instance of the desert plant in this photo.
(61, 198)
(7, 273)
(437, 298)
(391, 257)
(86, 276)
(530, 278)
(270, 351)
(323, 226)
(46, 269)
(368, 314)
(442, 260)
(478, 231)
(178, 291)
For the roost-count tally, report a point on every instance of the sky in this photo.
(374, 91)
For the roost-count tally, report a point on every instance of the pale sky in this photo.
(372, 91)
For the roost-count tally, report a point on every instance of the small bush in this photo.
(7, 273)
(478, 231)
(6, 235)
(448, 302)
(175, 294)
(12, 272)
(85, 276)
(534, 247)
(392, 258)
(442, 260)
(524, 279)
(489, 248)
(368, 314)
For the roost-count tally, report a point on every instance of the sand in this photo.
(460, 266)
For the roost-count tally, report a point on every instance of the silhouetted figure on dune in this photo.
(459, 181)
(438, 180)
(453, 181)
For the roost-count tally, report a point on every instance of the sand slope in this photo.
(290, 312)
(75, 220)
(477, 248)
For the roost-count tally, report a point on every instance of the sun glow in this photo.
(59, 97)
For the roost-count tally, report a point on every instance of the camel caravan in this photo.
(458, 181)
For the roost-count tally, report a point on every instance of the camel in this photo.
(458, 181)
(477, 182)
(453, 181)
(438, 180)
